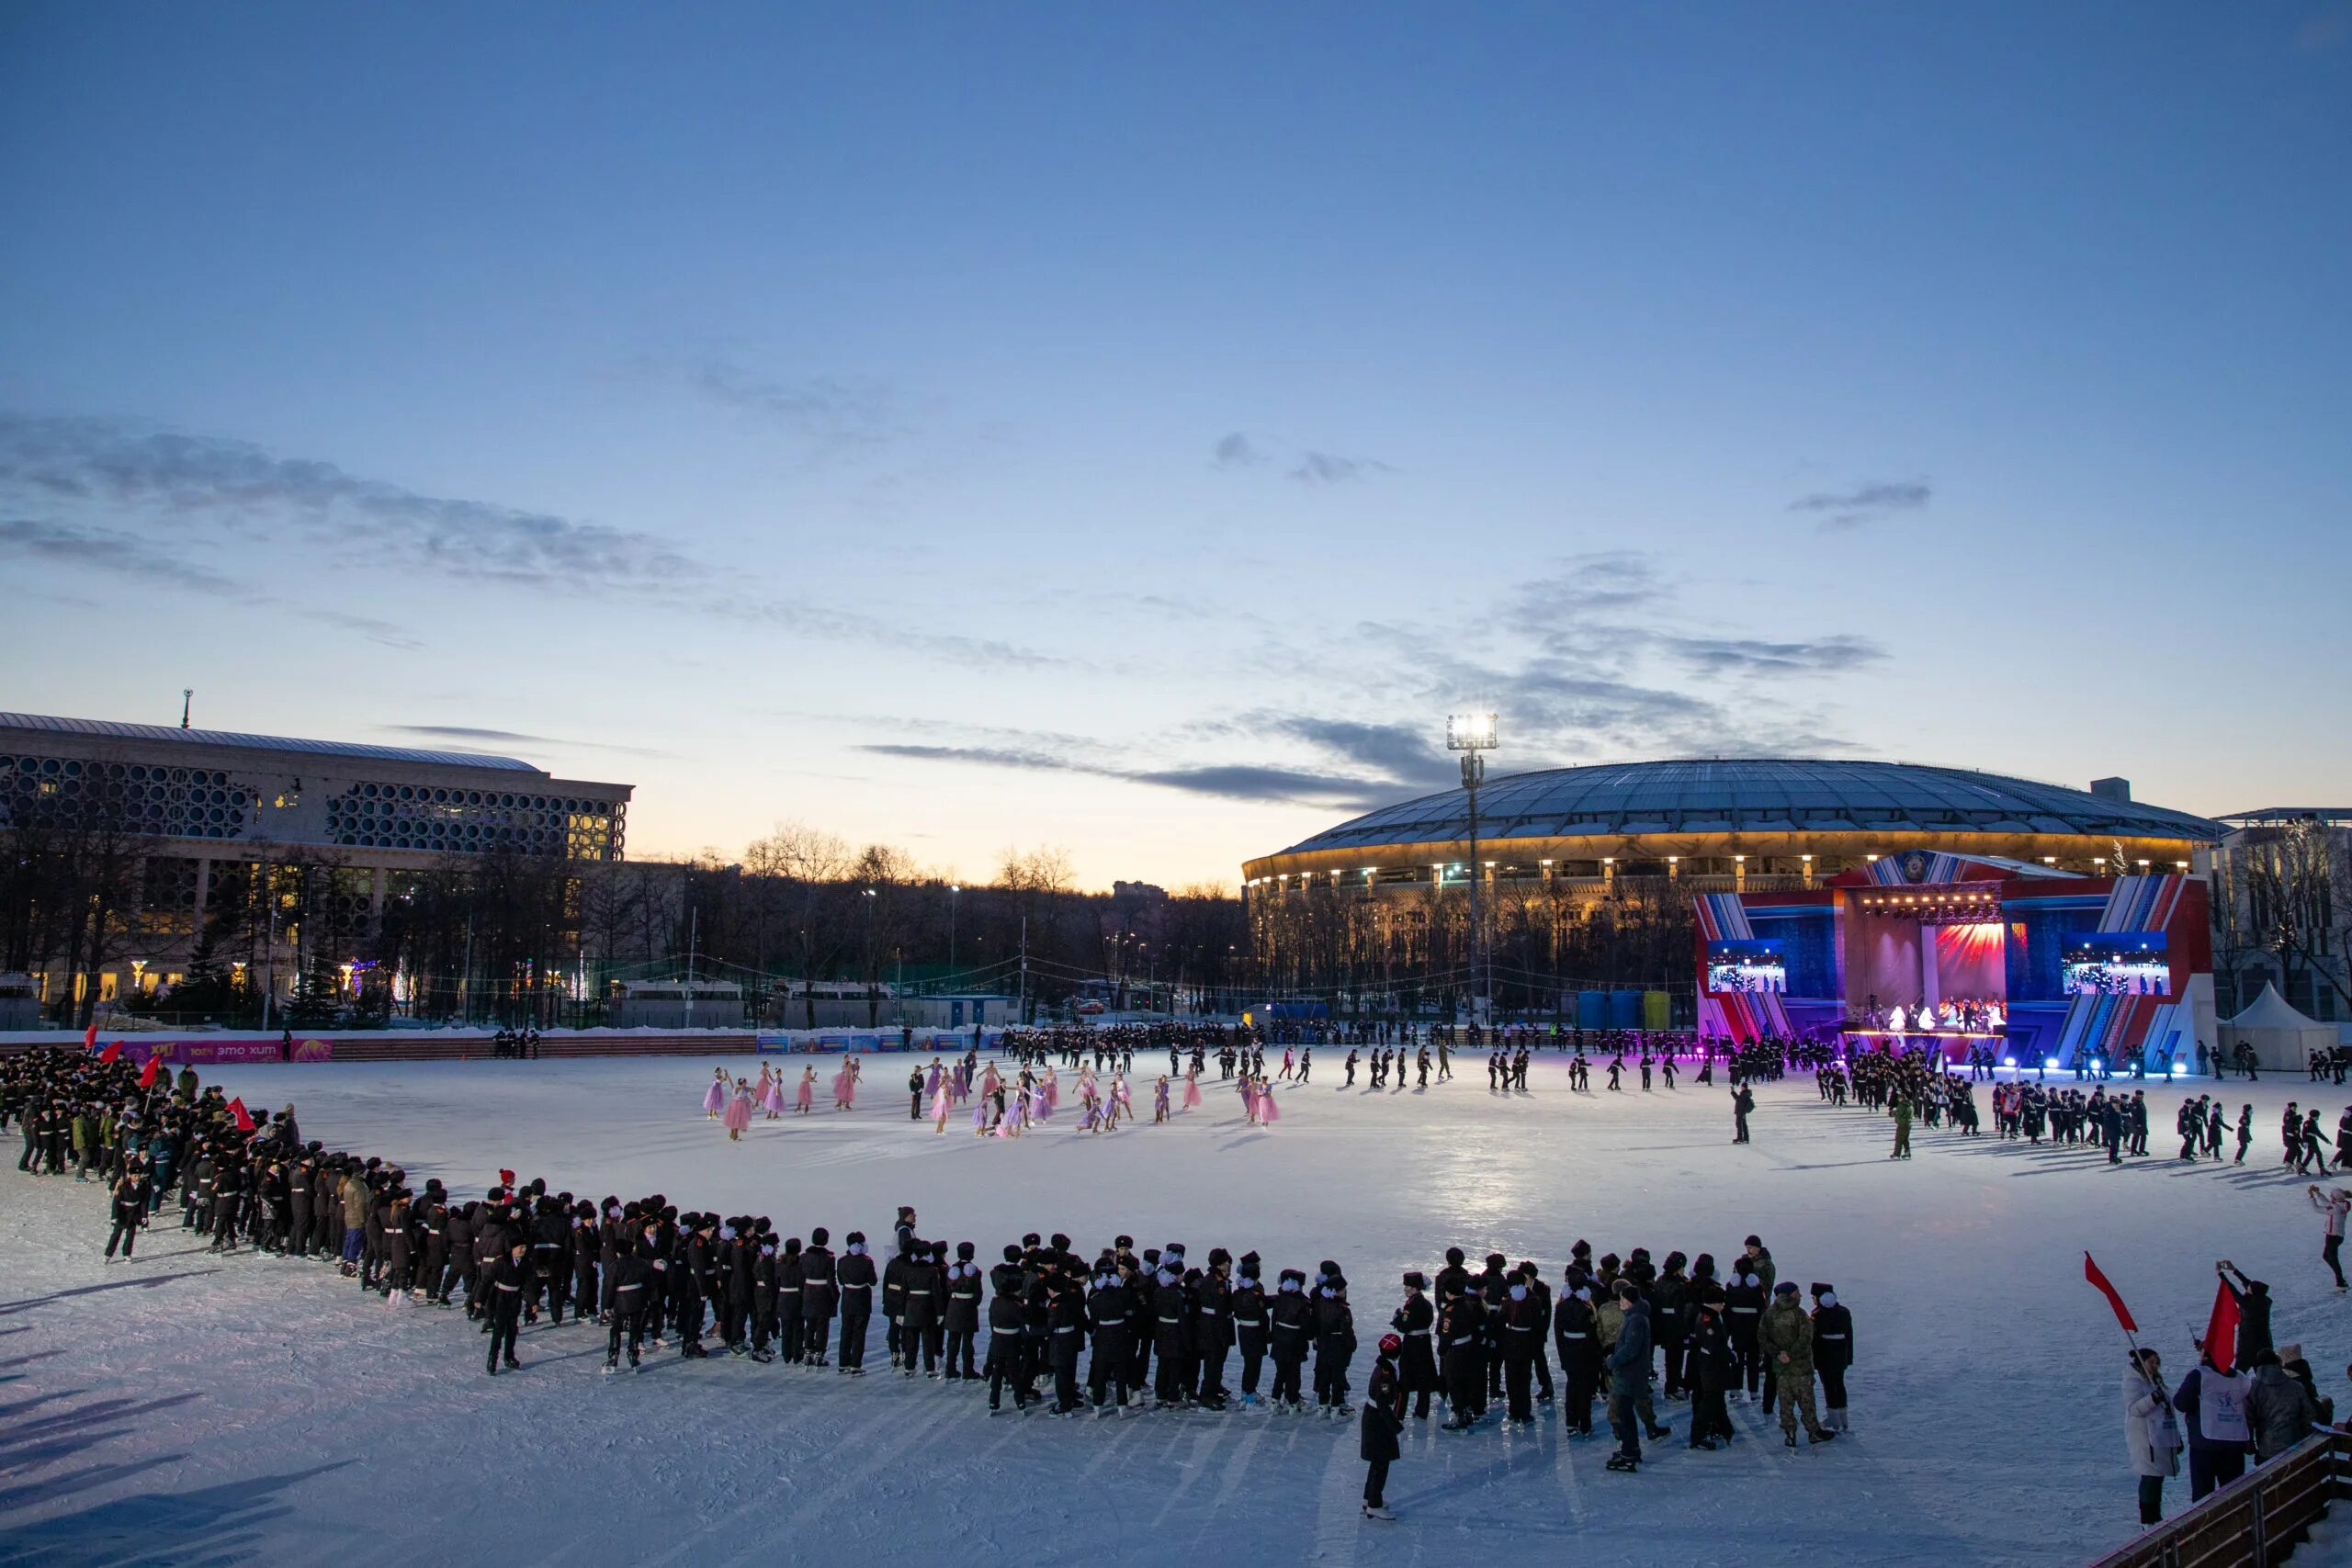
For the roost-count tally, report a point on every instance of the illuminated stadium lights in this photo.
(1470, 732)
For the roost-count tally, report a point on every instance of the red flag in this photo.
(90, 1036)
(147, 1074)
(112, 1052)
(245, 1118)
(2220, 1341)
(2122, 1313)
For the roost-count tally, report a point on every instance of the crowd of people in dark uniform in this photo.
(1157, 1330)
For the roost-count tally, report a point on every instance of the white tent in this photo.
(2281, 1037)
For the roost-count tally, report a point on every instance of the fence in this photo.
(2255, 1521)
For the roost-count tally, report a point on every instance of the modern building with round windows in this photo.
(1590, 876)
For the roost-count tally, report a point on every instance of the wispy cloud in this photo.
(830, 409)
(469, 736)
(1749, 656)
(1226, 781)
(1865, 503)
(237, 484)
(1237, 450)
(150, 567)
(174, 481)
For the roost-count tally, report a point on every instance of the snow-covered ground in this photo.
(188, 1408)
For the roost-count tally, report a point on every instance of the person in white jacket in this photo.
(2149, 1431)
(2333, 1203)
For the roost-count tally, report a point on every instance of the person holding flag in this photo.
(2149, 1431)
(2211, 1399)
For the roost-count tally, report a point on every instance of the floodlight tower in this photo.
(1473, 735)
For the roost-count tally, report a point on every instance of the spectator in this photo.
(2150, 1432)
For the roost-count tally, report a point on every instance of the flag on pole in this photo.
(147, 1074)
(112, 1052)
(2122, 1313)
(245, 1118)
(2220, 1341)
(90, 1036)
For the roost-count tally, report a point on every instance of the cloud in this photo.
(236, 488)
(1329, 468)
(1864, 503)
(1401, 753)
(1748, 655)
(1226, 781)
(1235, 450)
(831, 409)
(150, 567)
(469, 736)
(238, 485)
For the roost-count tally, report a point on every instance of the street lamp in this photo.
(1473, 735)
(952, 890)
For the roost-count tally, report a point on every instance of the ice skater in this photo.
(714, 1099)
(808, 1092)
(845, 1086)
(738, 1111)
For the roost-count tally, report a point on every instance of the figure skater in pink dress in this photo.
(1193, 1088)
(738, 1111)
(1268, 1111)
(940, 1102)
(772, 1100)
(714, 1099)
(1122, 1105)
(845, 1086)
(807, 1095)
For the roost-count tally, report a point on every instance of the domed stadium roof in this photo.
(1758, 795)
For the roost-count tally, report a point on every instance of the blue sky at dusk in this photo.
(1129, 430)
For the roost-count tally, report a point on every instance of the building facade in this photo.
(131, 840)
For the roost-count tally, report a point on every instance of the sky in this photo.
(1132, 431)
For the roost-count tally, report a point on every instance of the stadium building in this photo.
(1589, 875)
(166, 825)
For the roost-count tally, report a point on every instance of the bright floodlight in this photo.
(2050, 1061)
(1470, 732)
(2009, 1061)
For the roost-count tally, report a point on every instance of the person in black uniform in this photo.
(963, 1313)
(1712, 1366)
(1521, 1333)
(1576, 1335)
(636, 1277)
(1065, 1329)
(855, 1278)
(1462, 1329)
(1744, 1309)
(1833, 1353)
(1005, 1333)
(508, 1278)
(1250, 1326)
(1172, 1326)
(763, 1291)
(1293, 1335)
(1413, 1323)
(1108, 1305)
(1213, 1330)
(925, 1300)
(129, 1213)
(587, 1253)
(817, 1296)
(1335, 1346)
(1383, 1418)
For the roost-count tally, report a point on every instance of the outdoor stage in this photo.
(1959, 953)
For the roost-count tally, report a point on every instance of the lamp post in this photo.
(952, 890)
(1473, 735)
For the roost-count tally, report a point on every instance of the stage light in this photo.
(2009, 1061)
(2050, 1061)
(2095, 1064)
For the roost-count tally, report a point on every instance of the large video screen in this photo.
(1750, 964)
(2115, 963)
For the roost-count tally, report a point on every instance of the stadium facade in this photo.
(323, 831)
(1588, 873)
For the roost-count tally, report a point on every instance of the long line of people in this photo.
(1158, 1328)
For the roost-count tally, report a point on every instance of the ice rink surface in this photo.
(195, 1409)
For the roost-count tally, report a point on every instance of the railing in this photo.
(2255, 1521)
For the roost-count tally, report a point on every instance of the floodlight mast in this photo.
(1473, 734)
